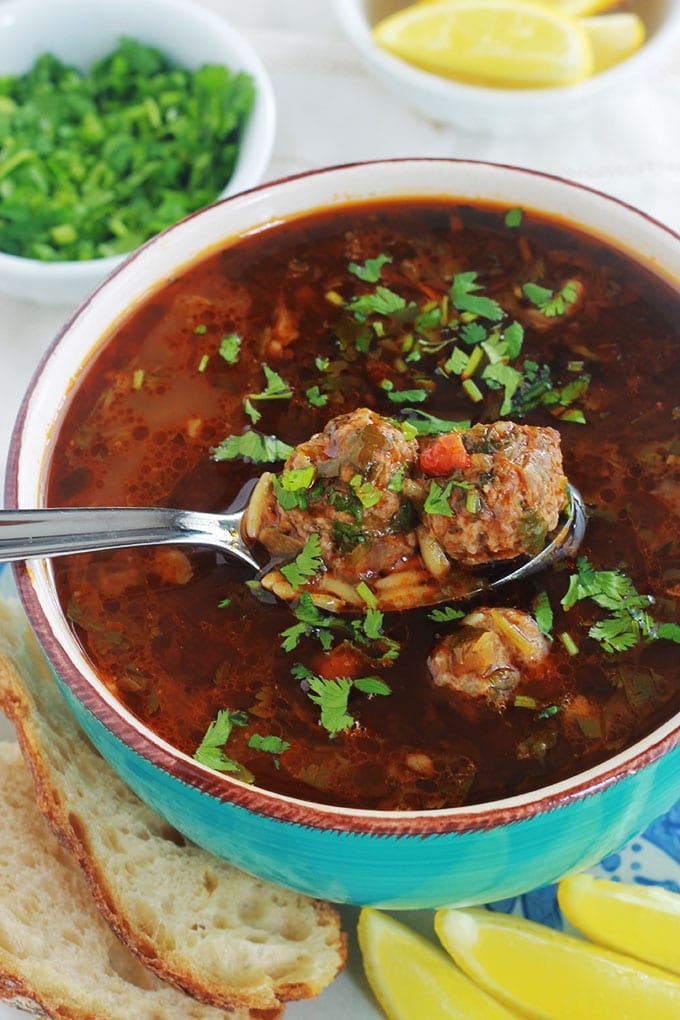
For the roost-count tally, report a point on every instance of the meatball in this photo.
(487, 655)
(506, 499)
(350, 481)
(410, 517)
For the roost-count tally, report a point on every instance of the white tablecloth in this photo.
(331, 110)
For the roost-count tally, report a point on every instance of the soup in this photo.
(443, 318)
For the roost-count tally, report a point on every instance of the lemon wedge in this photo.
(613, 37)
(499, 43)
(641, 920)
(547, 975)
(411, 976)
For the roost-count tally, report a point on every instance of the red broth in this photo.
(179, 635)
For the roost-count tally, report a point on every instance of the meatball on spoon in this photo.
(362, 514)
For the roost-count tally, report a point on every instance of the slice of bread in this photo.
(224, 937)
(58, 957)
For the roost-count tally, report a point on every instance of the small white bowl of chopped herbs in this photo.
(117, 120)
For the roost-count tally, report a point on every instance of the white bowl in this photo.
(504, 111)
(80, 33)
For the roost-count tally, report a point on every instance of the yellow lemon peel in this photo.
(412, 977)
(640, 920)
(548, 975)
(498, 43)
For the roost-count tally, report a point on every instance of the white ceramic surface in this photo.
(186, 32)
(503, 112)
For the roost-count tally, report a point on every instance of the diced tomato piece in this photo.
(344, 660)
(444, 455)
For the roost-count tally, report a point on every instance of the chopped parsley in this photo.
(253, 446)
(551, 302)
(543, 614)
(445, 615)
(230, 348)
(437, 501)
(276, 389)
(306, 564)
(464, 297)
(210, 751)
(426, 424)
(371, 270)
(629, 622)
(332, 696)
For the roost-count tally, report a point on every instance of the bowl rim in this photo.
(258, 800)
(253, 158)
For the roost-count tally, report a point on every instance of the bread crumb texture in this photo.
(186, 920)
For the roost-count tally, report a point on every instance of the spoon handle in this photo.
(52, 532)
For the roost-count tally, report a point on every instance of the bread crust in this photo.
(224, 937)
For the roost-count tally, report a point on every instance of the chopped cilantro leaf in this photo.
(628, 623)
(543, 614)
(416, 396)
(428, 425)
(445, 615)
(230, 348)
(437, 501)
(464, 297)
(210, 751)
(382, 302)
(371, 269)
(306, 564)
(332, 696)
(551, 303)
(252, 446)
(513, 217)
(271, 744)
(276, 389)
(315, 397)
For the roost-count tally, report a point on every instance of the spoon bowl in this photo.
(25, 534)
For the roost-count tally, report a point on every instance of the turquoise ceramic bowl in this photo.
(389, 859)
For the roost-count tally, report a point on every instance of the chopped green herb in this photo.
(224, 604)
(382, 302)
(366, 492)
(306, 564)
(551, 303)
(543, 614)
(270, 744)
(210, 751)
(628, 623)
(367, 596)
(416, 396)
(371, 269)
(254, 446)
(203, 363)
(332, 696)
(428, 425)
(95, 163)
(230, 348)
(445, 615)
(276, 389)
(437, 501)
(513, 217)
(464, 297)
(315, 397)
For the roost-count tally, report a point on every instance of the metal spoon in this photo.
(25, 534)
